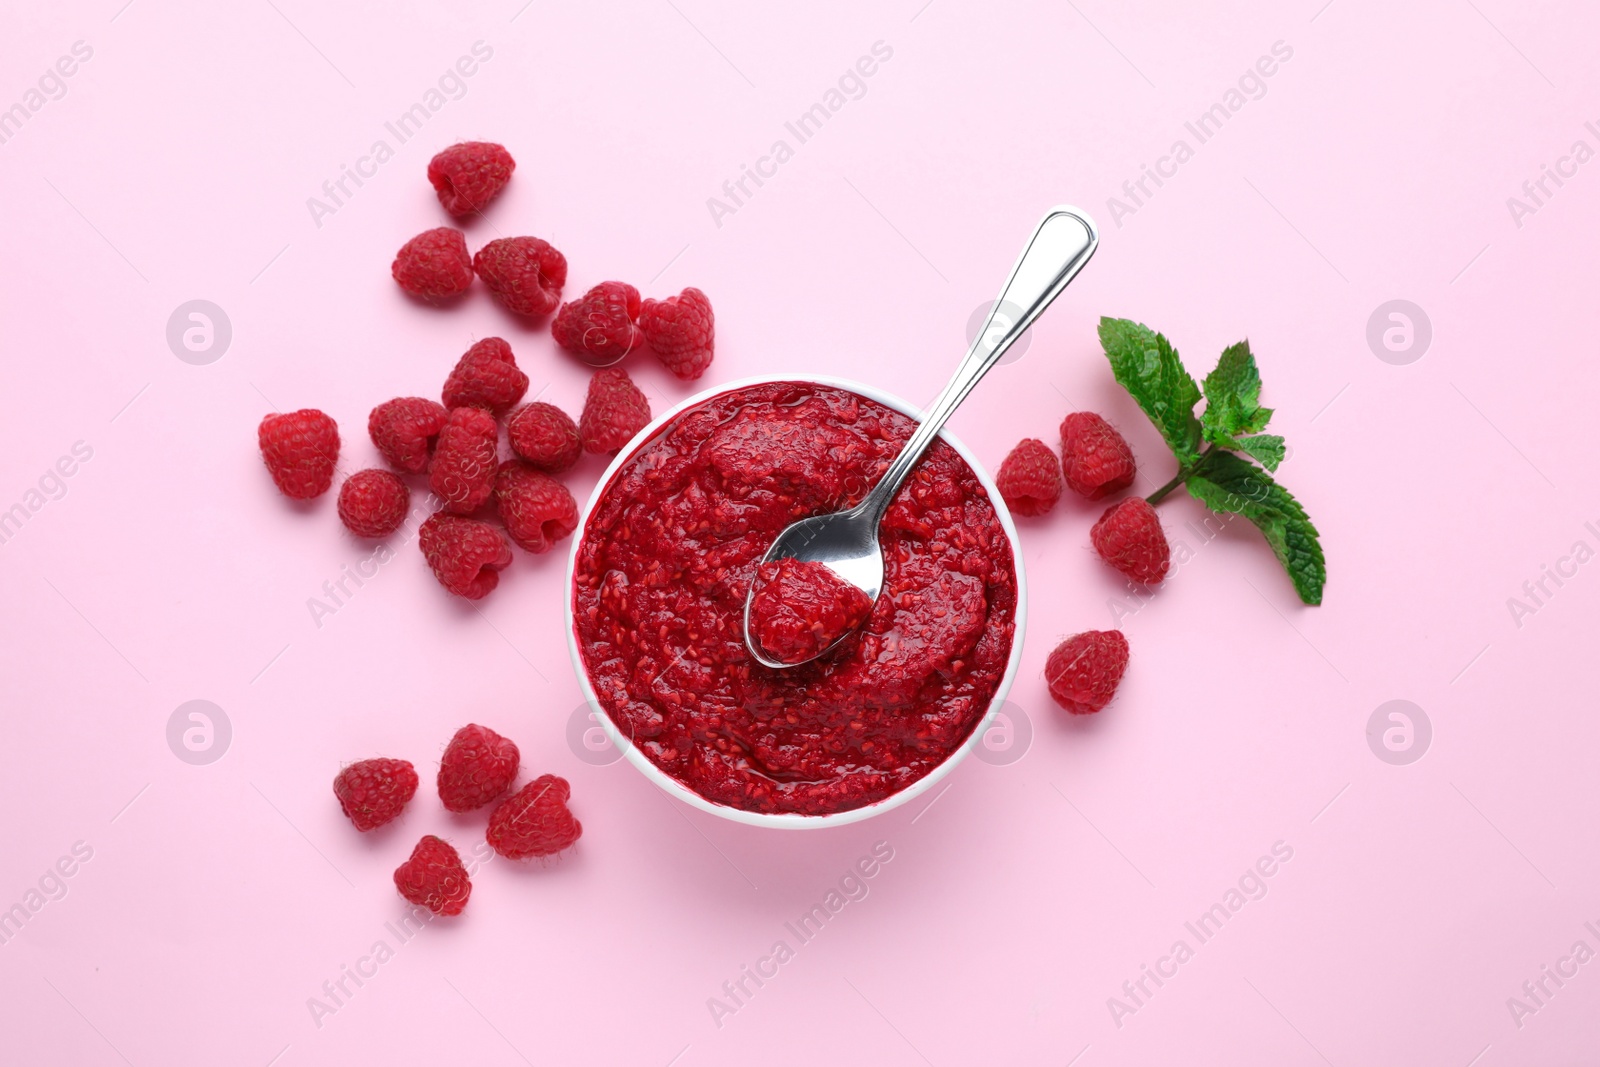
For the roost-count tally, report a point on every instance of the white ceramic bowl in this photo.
(792, 821)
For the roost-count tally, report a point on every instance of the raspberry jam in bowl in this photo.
(665, 554)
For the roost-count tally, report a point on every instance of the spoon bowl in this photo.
(843, 542)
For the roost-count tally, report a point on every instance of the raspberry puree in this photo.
(801, 607)
(667, 558)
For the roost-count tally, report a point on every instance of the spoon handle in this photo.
(1055, 253)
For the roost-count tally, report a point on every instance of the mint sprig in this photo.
(1209, 447)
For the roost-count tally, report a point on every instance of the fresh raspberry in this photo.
(478, 766)
(681, 330)
(434, 264)
(469, 175)
(466, 555)
(465, 459)
(486, 376)
(434, 877)
(801, 607)
(545, 436)
(534, 821)
(373, 503)
(1128, 536)
(1084, 670)
(374, 791)
(613, 411)
(536, 509)
(1094, 458)
(525, 273)
(599, 327)
(404, 430)
(300, 450)
(1030, 478)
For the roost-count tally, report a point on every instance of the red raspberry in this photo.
(465, 459)
(1094, 458)
(486, 376)
(478, 766)
(404, 430)
(373, 503)
(469, 175)
(466, 555)
(1030, 478)
(1084, 670)
(681, 330)
(800, 608)
(536, 509)
(434, 877)
(434, 264)
(599, 327)
(534, 821)
(300, 450)
(613, 411)
(1128, 536)
(374, 791)
(545, 436)
(524, 272)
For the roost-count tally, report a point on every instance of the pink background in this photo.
(1376, 166)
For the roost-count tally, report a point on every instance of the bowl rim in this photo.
(792, 820)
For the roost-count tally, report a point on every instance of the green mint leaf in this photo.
(1265, 448)
(1233, 394)
(1227, 484)
(1149, 369)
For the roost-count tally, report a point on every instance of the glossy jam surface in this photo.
(800, 608)
(668, 556)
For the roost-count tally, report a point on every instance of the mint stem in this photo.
(1177, 479)
(1160, 494)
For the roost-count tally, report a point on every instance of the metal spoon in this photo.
(847, 541)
